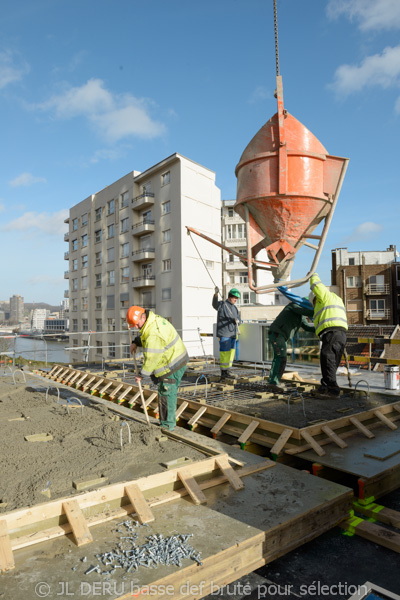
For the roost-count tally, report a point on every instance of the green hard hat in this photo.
(234, 292)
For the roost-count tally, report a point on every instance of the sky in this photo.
(90, 91)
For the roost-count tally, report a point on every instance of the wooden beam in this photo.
(374, 533)
(281, 441)
(132, 401)
(139, 503)
(197, 416)
(124, 393)
(192, 487)
(181, 409)
(114, 392)
(361, 428)
(385, 420)
(80, 529)
(379, 513)
(150, 399)
(230, 474)
(221, 422)
(6, 554)
(248, 431)
(333, 436)
(314, 445)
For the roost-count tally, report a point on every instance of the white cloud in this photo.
(370, 14)
(259, 94)
(363, 232)
(9, 71)
(113, 116)
(50, 224)
(26, 179)
(380, 69)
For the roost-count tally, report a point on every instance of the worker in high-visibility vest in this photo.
(228, 321)
(330, 322)
(165, 358)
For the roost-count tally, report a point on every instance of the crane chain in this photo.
(276, 39)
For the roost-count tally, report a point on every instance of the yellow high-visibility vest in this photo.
(329, 310)
(163, 349)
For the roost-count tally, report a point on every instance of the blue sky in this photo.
(92, 90)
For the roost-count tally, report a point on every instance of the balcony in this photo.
(66, 220)
(144, 200)
(377, 288)
(66, 237)
(383, 314)
(66, 293)
(144, 281)
(66, 255)
(66, 274)
(235, 242)
(148, 306)
(235, 265)
(143, 254)
(143, 227)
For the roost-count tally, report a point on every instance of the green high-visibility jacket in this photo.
(290, 319)
(164, 352)
(329, 310)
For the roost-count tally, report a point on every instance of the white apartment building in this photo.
(128, 245)
(39, 316)
(235, 273)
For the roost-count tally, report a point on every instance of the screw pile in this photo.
(158, 550)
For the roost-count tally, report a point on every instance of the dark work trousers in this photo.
(333, 344)
(278, 366)
(167, 398)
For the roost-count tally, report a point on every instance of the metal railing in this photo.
(143, 251)
(378, 314)
(377, 288)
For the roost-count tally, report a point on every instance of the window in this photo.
(243, 277)
(125, 275)
(126, 353)
(125, 250)
(74, 304)
(84, 261)
(110, 301)
(354, 281)
(84, 219)
(84, 239)
(110, 254)
(74, 224)
(166, 208)
(110, 277)
(84, 282)
(75, 343)
(111, 324)
(97, 280)
(246, 298)
(351, 262)
(166, 265)
(209, 264)
(98, 348)
(74, 285)
(110, 231)
(97, 236)
(111, 349)
(166, 294)
(236, 231)
(231, 258)
(124, 199)
(85, 326)
(98, 302)
(85, 303)
(146, 188)
(377, 308)
(146, 215)
(166, 236)
(98, 259)
(354, 305)
(165, 178)
(230, 212)
(124, 225)
(97, 214)
(74, 324)
(124, 303)
(110, 207)
(98, 324)
(145, 242)
(74, 245)
(75, 264)
(147, 270)
(377, 283)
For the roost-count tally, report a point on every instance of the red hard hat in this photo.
(133, 315)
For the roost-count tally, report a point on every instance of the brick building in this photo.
(369, 283)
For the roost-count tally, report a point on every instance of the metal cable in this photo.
(276, 39)
(201, 258)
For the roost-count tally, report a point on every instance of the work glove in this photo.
(216, 289)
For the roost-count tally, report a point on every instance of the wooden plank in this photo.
(230, 474)
(379, 513)
(197, 416)
(81, 379)
(333, 436)
(150, 399)
(80, 529)
(385, 420)
(281, 441)
(139, 503)
(221, 422)
(96, 384)
(83, 484)
(88, 383)
(124, 393)
(75, 377)
(248, 431)
(181, 409)
(103, 389)
(68, 376)
(115, 392)
(396, 407)
(314, 445)
(6, 553)
(132, 401)
(374, 533)
(192, 487)
(361, 428)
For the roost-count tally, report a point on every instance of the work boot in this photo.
(276, 388)
(324, 392)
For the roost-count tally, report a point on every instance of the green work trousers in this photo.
(167, 399)
(278, 365)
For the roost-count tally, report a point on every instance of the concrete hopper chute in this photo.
(287, 184)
